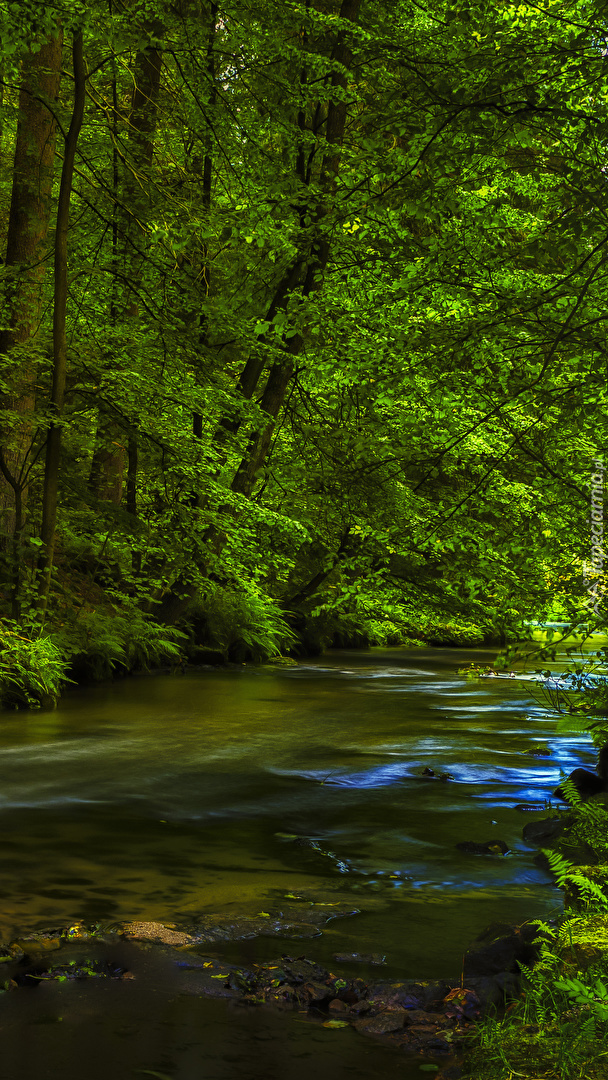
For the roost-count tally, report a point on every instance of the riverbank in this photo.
(428, 1021)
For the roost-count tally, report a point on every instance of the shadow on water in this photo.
(168, 798)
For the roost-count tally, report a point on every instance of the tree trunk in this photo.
(25, 257)
(107, 474)
(53, 444)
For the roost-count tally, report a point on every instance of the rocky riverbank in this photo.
(429, 1019)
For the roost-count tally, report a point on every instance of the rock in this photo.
(338, 1006)
(586, 783)
(12, 952)
(427, 1041)
(383, 1023)
(490, 847)
(34, 944)
(541, 833)
(415, 1017)
(509, 982)
(304, 923)
(530, 808)
(430, 774)
(450, 1072)
(462, 1002)
(315, 992)
(494, 990)
(409, 994)
(360, 958)
(499, 948)
(166, 934)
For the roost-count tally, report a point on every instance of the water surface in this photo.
(170, 797)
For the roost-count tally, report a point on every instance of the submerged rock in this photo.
(429, 1018)
(360, 958)
(490, 847)
(300, 924)
(542, 832)
(165, 934)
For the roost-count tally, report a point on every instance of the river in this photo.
(164, 798)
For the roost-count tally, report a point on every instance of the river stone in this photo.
(409, 994)
(383, 1023)
(35, 944)
(488, 847)
(450, 1072)
(493, 989)
(499, 948)
(12, 952)
(541, 833)
(211, 929)
(421, 1016)
(166, 934)
(360, 958)
(338, 1006)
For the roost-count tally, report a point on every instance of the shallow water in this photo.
(168, 797)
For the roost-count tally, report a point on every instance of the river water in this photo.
(165, 798)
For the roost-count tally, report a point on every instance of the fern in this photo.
(559, 867)
(566, 873)
(32, 670)
(590, 827)
(570, 791)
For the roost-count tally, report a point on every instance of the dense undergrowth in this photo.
(558, 1028)
(102, 621)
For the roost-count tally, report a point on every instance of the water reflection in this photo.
(159, 797)
(167, 798)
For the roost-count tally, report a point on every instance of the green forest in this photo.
(303, 327)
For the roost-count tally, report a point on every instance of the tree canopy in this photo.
(303, 321)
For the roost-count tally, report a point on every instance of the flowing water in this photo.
(166, 798)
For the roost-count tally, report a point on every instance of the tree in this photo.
(336, 293)
(21, 339)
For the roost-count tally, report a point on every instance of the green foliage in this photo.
(242, 625)
(594, 997)
(588, 828)
(101, 643)
(559, 1025)
(358, 391)
(32, 670)
(567, 875)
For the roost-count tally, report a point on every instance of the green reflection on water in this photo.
(165, 798)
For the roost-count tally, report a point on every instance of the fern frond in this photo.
(559, 867)
(570, 791)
